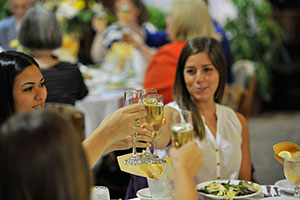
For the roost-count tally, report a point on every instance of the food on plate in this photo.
(232, 190)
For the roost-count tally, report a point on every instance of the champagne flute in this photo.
(132, 97)
(182, 132)
(149, 99)
(158, 122)
(292, 173)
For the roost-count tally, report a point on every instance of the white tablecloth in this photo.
(97, 106)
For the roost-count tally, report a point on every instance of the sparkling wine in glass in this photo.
(133, 97)
(182, 132)
(292, 173)
(156, 111)
(149, 99)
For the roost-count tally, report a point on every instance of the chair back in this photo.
(73, 114)
(239, 95)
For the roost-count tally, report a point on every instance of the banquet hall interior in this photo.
(269, 40)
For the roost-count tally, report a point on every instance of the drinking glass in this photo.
(133, 97)
(182, 132)
(149, 99)
(158, 122)
(292, 173)
(100, 192)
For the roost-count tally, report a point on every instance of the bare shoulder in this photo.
(242, 119)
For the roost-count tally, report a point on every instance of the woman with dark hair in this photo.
(41, 33)
(12, 64)
(25, 90)
(220, 132)
(42, 159)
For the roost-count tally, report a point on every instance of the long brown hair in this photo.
(181, 95)
(42, 159)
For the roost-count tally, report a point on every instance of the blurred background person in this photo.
(187, 19)
(132, 17)
(41, 33)
(10, 26)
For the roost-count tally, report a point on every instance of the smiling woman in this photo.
(21, 84)
(29, 90)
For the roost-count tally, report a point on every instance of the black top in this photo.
(64, 83)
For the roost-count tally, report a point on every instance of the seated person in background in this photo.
(132, 17)
(187, 19)
(9, 26)
(23, 89)
(41, 34)
(41, 158)
(221, 133)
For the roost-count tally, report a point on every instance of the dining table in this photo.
(105, 95)
(267, 192)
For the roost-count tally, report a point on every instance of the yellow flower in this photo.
(71, 43)
(14, 43)
(80, 4)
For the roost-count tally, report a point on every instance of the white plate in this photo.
(201, 185)
(285, 185)
(144, 194)
(281, 198)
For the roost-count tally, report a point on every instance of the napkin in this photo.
(153, 171)
(284, 146)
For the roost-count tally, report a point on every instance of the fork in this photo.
(276, 190)
(269, 191)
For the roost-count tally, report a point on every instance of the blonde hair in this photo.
(190, 18)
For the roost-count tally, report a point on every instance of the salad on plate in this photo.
(228, 188)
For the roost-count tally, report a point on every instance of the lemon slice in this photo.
(149, 101)
(285, 154)
(297, 153)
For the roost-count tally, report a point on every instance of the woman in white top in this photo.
(220, 132)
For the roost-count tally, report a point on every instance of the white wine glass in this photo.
(149, 99)
(133, 97)
(182, 129)
(158, 123)
(292, 173)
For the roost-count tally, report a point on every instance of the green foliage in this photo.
(75, 24)
(4, 11)
(257, 37)
(157, 17)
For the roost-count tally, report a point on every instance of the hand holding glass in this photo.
(132, 97)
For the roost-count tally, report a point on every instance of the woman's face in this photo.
(201, 77)
(126, 12)
(29, 91)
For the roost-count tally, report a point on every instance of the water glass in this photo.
(100, 193)
(292, 173)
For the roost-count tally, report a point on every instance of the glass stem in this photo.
(297, 191)
(134, 136)
(154, 147)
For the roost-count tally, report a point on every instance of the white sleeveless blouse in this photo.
(222, 156)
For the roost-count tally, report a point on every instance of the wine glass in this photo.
(292, 173)
(133, 97)
(149, 99)
(157, 110)
(182, 131)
